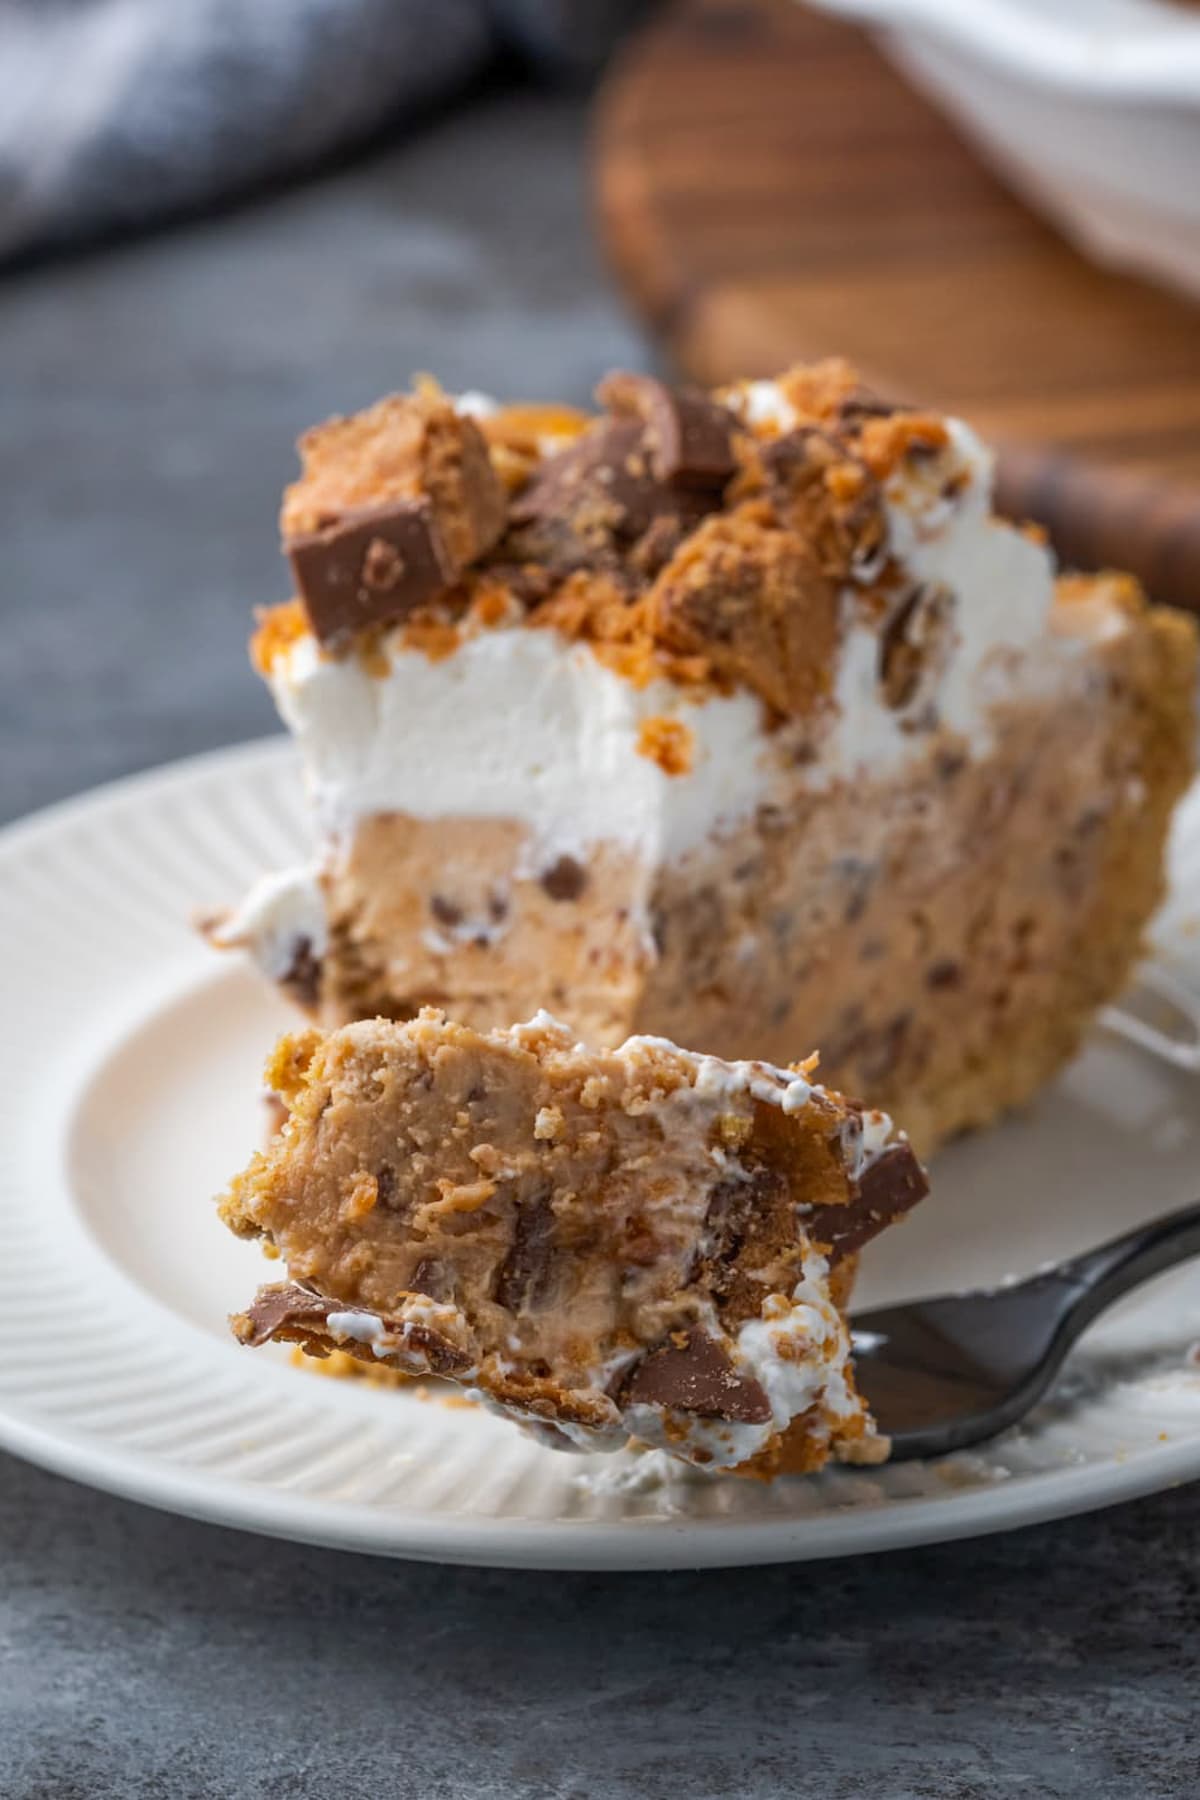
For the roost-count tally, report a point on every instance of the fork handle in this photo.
(1102, 1275)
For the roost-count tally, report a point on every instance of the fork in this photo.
(946, 1373)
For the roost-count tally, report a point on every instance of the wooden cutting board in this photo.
(771, 191)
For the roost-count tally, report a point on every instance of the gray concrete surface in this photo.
(147, 401)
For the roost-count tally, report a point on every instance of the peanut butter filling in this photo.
(581, 1236)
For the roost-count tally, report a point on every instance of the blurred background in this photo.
(219, 223)
(222, 220)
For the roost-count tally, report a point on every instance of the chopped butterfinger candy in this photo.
(638, 1243)
(756, 603)
(295, 1314)
(370, 566)
(631, 485)
(689, 437)
(590, 504)
(422, 472)
(889, 1187)
(913, 643)
(827, 495)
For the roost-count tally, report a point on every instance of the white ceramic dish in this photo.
(130, 1056)
(1091, 107)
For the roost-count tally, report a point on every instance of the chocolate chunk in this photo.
(689, 438)
(692, 1372)
(370, 567)
(909, 641)
(527, 1278)
(589, 505)
(528, 583)
(658, 930)
(602, 486)
(888, 1187)
(407, 448)
(864, 404)
(564, 879)
(733, 1208)
(296, 1315)
(275, 1308)
(303, 977)
(859, 877)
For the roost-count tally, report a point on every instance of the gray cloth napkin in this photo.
(114, 113)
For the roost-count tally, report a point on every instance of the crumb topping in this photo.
(669, 743)
(278, 628)
(407, 446)
(680, 534)
(519, 436)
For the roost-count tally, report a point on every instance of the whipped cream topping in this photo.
(998, 585)
(397, 1339)
(473, 404)
(875, 1133)
(787, 1089)
(279, 915)
(716, 1080)
(362, 1328)
(523, 723)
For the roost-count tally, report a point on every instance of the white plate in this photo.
(130, 1056)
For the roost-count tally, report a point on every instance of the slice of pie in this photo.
(634, 1244)
(716, 716)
